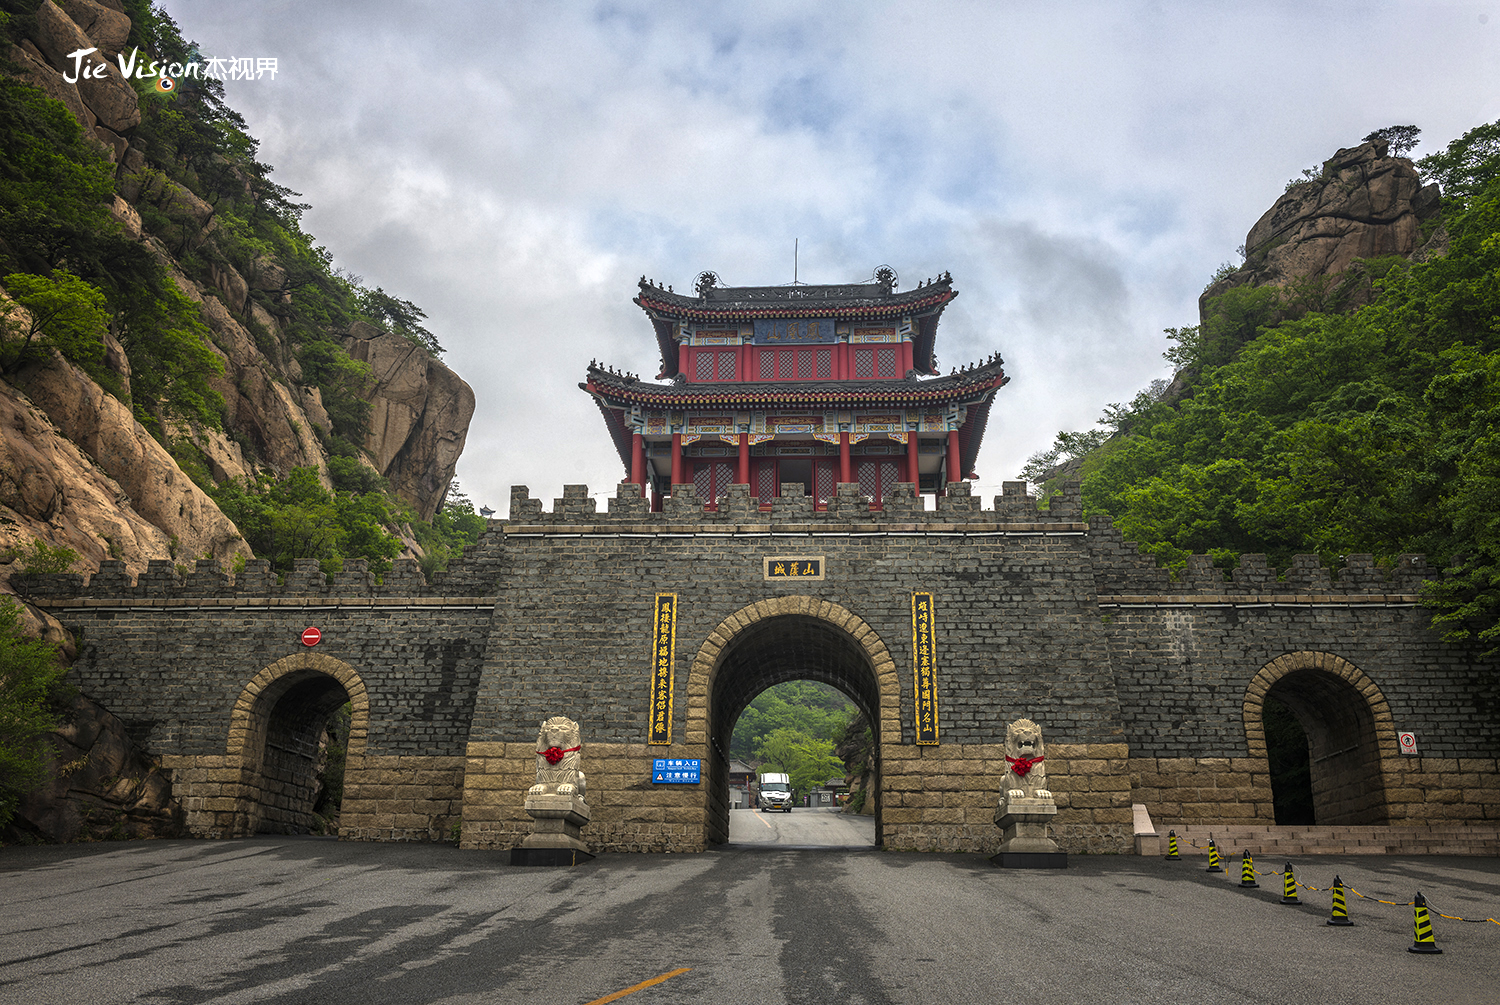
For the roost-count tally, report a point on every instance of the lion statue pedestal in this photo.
(1026, 804)
(555, 802)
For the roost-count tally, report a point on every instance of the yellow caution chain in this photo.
(1377, 900)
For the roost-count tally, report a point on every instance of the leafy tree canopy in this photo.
(1309, 430)
(31, 693)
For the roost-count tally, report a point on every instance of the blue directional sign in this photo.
(676, 771)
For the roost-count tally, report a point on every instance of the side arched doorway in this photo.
(1348, 728)
(771, 642)
(274, 738)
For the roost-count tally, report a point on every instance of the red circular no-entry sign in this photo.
(311, 637)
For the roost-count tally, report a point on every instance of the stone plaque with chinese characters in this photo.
(663, 663)
(924, 665)
(794, 567)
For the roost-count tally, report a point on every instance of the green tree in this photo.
(31, 690)
(452, 528)
(1325, 432)
(808, 761)
(1402, 139)
(1467, 165)
(61, 312)
(812, 709)
(399, 316)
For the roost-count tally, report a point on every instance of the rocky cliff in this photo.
(1363, 205)
(77, 469)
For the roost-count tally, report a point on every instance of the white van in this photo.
(775, 792)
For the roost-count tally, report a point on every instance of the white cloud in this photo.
(1081, 169)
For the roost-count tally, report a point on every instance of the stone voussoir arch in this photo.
(243, 719)
(706, 661)
(1288, 663)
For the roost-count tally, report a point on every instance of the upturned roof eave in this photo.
(962, 389)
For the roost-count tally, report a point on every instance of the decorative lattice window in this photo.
(726, 366)
(823, 487)
(767, 365)
(804, 364)
(877, 478)
(784, 360)
(705, 366)
(712, 480)
(864, 363)
(887, 359)
(766, 481)
(825, 362)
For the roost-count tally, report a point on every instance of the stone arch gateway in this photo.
(274, 733)
(774, 641)
(1140, 680)
(1349, 730)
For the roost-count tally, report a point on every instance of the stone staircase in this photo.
(1372, 839)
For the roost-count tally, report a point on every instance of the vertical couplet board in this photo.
(663, 665)
(923, 665)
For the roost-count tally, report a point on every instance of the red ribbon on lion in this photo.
(1022, 765)
(555, 754)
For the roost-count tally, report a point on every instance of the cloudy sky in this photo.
(1081, 169)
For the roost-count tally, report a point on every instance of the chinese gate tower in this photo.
(781, 386)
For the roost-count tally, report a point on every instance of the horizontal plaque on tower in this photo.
(793, 331)
(924, 666)
(663, 666)
(794, 567)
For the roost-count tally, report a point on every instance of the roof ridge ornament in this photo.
(706, 282)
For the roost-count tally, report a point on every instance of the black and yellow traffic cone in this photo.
(1289, 886)
(1213, 856)
(1247, 870)
(1422, 940)
(1172, 846)
(1340, 914)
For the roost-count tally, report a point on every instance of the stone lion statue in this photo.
(557, 759)
(1026, 774)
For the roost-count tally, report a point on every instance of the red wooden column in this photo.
(637, 462)
(906, 358)
(844, 457)
(913, 473)
(744, 472)
(954, 474)
(676, 459)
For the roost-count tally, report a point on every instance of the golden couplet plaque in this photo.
(924, 666)
(663, 667)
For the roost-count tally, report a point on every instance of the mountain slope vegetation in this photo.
(1298, 427)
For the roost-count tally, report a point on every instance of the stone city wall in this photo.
(1148, 688)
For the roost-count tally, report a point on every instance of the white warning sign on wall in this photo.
(1408, 742)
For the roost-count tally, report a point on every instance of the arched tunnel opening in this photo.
(1342, 780)
(300, 730)
(773, 651)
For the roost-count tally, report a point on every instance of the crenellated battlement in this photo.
(472, 576)
(1121, 571)
(737, 507)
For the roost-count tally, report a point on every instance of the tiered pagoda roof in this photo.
(871, 301)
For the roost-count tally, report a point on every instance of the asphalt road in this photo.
(317, 921)
(823, 827)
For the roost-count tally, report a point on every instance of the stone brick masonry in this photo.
(1149, 689)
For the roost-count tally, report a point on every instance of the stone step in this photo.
(1480, 839)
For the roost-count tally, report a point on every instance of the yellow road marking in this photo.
(762, 820)
(637, 987)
